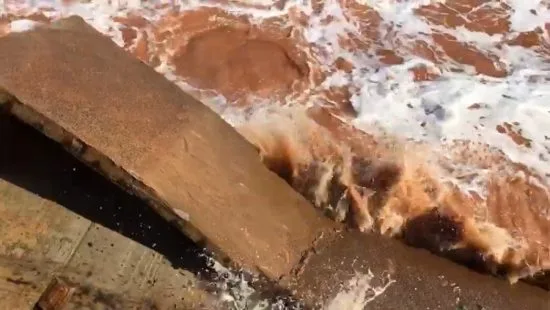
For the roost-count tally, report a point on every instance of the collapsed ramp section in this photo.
(119, 115)
(141, 131)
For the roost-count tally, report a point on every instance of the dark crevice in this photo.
(34, 162)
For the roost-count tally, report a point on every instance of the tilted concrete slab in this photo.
(141, 131)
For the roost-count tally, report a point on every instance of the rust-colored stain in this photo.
(56, 296)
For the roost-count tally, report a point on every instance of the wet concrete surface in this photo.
(413, 278)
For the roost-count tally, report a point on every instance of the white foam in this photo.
(235, 292)
(523, 18)
(358, 292)
(437, 111)
(22, 25)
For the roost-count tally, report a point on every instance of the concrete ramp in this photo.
(138, 129)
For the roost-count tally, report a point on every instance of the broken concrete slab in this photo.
(142, 131)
